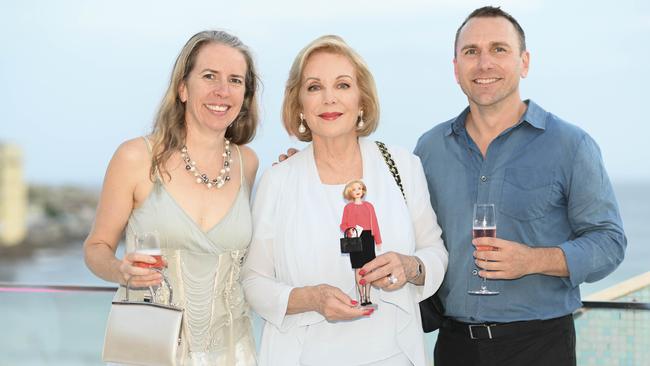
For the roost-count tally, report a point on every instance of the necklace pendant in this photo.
(202, 178)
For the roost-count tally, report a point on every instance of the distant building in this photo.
(13, 196)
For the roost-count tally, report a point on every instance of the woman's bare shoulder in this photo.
(133, 151)
(251, 162)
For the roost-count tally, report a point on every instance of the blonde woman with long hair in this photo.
(190, 181)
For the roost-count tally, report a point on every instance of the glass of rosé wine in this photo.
(149, 244)
(484, 224)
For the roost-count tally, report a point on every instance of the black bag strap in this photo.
(392, 167)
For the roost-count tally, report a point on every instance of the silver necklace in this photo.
(202, 178)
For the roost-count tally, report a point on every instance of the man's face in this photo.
(489, 62)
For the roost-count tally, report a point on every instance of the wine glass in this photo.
(484, 224)
(148, 243)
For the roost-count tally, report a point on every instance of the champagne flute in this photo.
(484, 224)
(148, 243)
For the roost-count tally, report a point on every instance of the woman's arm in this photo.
(273, 299)
(429, 246)
(329, 301)
(374, 224)
(267, 295)
(345, 220)
(126, 172)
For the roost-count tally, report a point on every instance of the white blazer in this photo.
(295, 243)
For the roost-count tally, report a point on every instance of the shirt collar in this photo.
(458, 125)
(534, 116)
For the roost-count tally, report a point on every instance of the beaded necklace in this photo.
(202, 178)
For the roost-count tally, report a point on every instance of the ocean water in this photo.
(634, 202)
(50, 325)
(64, 265)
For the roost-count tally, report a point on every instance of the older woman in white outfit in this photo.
(295, 276)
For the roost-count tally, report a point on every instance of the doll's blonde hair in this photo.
(347, 191)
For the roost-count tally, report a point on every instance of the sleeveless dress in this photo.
(203, 270)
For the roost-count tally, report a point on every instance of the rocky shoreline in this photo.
(57, 216)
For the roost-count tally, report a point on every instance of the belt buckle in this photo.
(486, 326)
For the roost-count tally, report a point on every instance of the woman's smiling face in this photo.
(329, 95)
(213, 92)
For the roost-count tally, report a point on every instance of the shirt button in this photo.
(483, 178)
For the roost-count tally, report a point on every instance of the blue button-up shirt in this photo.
(547, 180)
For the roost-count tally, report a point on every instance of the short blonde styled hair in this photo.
(347, 191)
(291, 106)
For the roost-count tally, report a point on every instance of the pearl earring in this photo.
(361, 123)
(302, 129)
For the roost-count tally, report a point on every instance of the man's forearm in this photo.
(550, 261)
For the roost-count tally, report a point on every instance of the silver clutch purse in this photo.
(143, 333)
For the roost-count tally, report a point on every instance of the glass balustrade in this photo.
(64, 325)
(55, 325)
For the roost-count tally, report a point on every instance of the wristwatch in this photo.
(419, 270)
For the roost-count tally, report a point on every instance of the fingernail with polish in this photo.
(362, 272)
(362, 281)
(354, 302)
(368, 312)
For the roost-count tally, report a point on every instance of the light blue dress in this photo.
(203, 269)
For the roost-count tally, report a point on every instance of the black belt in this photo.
(499, 330)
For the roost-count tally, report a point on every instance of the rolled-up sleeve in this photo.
(599, 243)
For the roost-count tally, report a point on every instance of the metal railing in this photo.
(14, 287)
(64, 325)
(628, 305)
(613, 326)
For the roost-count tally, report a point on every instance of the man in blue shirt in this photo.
(558, 223)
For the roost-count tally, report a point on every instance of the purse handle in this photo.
(151, 291)
(356, 232)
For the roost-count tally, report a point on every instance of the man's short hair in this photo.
(493, 12)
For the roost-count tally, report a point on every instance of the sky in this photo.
(80, 77)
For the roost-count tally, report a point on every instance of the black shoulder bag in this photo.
(431, 309)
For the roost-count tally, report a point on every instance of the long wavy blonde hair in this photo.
(169, 130)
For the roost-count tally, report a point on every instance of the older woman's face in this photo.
(214, 90)
(329, 95)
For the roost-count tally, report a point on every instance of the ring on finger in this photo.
(392, 279)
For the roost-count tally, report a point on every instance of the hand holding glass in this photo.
(484, 224)
(149, 244)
